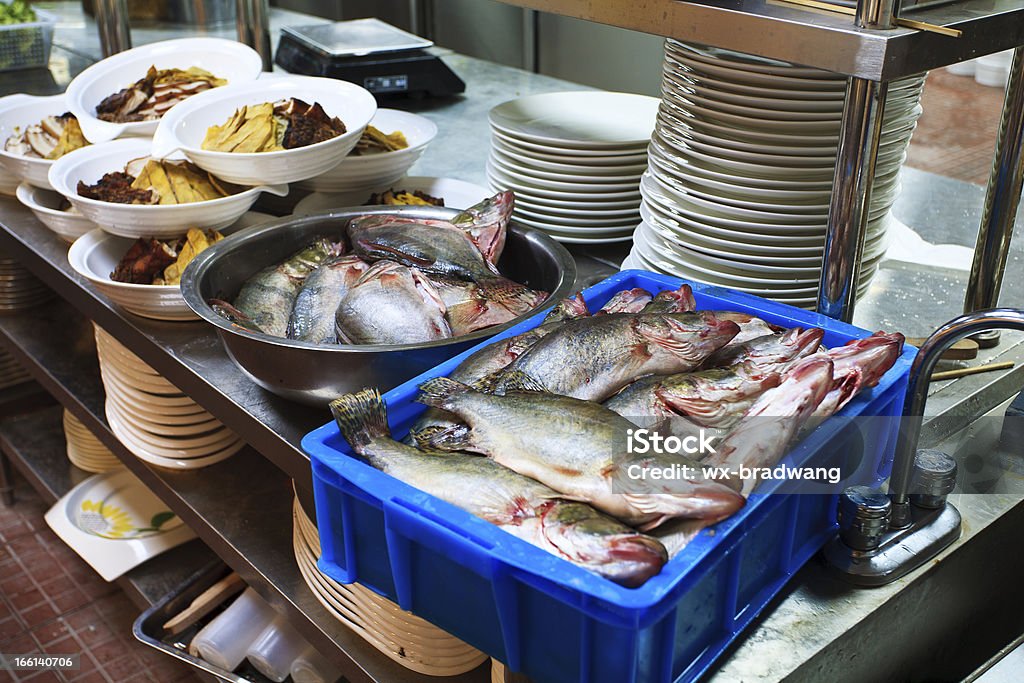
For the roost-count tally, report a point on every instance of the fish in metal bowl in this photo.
(309, 307)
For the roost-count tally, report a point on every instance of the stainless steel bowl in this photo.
(313, 374)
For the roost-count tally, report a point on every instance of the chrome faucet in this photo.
(883, 537)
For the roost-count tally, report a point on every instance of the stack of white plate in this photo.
(11, 371)
(402, 636)
(741, 167)
(574, 161)
(153, 418)
(20, 290)
(84, 450)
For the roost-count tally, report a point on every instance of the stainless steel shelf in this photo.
(813, 37)
(34, 444)
(241, 508)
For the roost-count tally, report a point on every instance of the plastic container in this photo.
(312, 667)
(554, 621)
(274, 651)
(27, 46)
(964, 68)
(993, 70)
(225, 640)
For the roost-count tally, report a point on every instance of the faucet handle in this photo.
(933, 478)
(863, 517)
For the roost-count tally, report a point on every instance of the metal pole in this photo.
(917, 396)
(253, 23)
(112, 22)
(1001, 200)
(854, 174)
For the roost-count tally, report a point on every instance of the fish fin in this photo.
(436, 392)
(438, 439)
(488, 384)
(462, 316)
(362, 417)
(234, 315)
(515, 297)
(517, 380)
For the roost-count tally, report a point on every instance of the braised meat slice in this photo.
(145, 260)
(116, 187)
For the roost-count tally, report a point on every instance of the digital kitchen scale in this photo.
(385, 60)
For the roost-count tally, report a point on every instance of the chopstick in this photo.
(977, 369)
(906, 23)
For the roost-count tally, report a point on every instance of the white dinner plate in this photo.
(457, 194)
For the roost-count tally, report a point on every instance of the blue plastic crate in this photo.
(554, 621)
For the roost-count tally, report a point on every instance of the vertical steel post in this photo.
(854, 175)
(1001, 200)
(112, 22)
(253, 23)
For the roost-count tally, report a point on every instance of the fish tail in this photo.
(234, 315)
(436, 392)
(362, 417)
(512, 295)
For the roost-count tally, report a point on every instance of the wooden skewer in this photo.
(204, 603)
(964, 372)
(906, 23)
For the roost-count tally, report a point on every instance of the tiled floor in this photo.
(956, 133)
(51, 602)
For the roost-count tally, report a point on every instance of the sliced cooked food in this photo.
(266, 127)
(51, 138)
(151, 96)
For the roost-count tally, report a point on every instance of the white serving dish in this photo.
(184, 127)
(373, 170)
(228, 59)
(44, 204)
(17, 112)
(134, 220)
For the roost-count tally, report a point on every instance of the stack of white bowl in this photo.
(361, 172)
(84, 450)
(574, 161)
(153, 418)
(20, 290)
(402, 636)
(741, 167)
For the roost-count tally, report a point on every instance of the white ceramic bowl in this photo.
(184, 127)
(134, 220)
(95, 255)
(19, 111)
(44, 204)
(227, 59)
(372, 170)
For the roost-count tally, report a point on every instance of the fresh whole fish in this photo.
(715, 398)
(517, 504)
(673, 301)
(434, 249)
(391, 304)
(773, 352)
(490, 360)
(592, 358)
(765, 432)
(315, 306)
(576, 447)
(268, 296)
(626, 301)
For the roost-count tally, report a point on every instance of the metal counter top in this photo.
(791, 640)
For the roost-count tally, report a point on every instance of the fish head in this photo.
(674, 301)
(627, 301)
(486, 224)
(871, 357)
(693, 336)
(705, 395)
(589, 538)
(784, 348)
(567, 309)
(805, 386)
